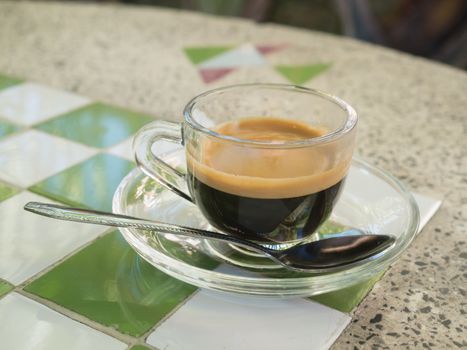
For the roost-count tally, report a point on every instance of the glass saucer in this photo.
(372, 201)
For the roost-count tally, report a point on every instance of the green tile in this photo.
(201, 54)
(96, 125)
(347, 299)
(6, 191)
(5, 287)
(139, 347)
(90, 184)
(107, 282)
(301, 74)
(7, 128)
(6, 81)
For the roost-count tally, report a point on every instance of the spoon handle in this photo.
(110, 219)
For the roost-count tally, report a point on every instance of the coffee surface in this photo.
(261, 172)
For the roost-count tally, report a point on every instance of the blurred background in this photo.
(435, 29)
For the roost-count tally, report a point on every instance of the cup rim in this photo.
(348, 125)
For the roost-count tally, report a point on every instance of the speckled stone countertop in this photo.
(413, 123)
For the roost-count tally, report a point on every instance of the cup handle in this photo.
(154, 166)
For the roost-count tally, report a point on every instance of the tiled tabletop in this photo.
(64, 148)
(65, 285)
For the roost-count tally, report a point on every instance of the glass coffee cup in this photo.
(264, 162)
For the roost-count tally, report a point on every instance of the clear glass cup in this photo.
(275, 208)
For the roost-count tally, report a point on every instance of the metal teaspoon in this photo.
(341, 249)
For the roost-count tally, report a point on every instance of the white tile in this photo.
(32, 156)
(29, 242)
(31, 103)
(428, 207)
(163, 148)
(233, 322)
(123, 149)
(245, 55)
(31, 325)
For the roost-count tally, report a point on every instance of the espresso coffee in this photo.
(260, 193)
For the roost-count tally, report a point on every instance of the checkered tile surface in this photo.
(66, 285)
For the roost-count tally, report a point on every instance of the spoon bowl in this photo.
(338, 250)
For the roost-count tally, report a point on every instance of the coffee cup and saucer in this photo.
(272, 164)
